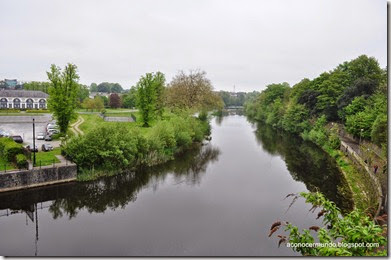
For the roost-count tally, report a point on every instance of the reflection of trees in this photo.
(113, 192)
(307, 163)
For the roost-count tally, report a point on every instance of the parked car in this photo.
(30, 148)
(40, 136)
(48, 137)
(47, 147)
(17, 138)
(53, 131)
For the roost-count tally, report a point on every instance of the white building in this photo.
(23, 99)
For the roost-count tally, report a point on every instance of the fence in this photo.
(8, 167)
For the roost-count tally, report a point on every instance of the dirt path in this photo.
(75, 126)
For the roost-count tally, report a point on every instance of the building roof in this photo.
(23, 93)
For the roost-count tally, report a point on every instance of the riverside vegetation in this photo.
(162, 129)
(354, 94)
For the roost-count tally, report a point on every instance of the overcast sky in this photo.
(245, 43)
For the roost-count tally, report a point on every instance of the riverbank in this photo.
(364, 192)
(111, 148)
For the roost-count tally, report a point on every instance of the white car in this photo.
(40, 136)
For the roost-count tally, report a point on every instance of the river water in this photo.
(216, 200)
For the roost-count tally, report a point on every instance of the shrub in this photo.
(9, 149)
(21, 161)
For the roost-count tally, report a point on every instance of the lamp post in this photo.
(360, 136)
(34, 142)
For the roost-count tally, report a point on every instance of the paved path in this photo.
(75, 126)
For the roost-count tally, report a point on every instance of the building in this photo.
(23, 99)
(102, 94)
(10, 84)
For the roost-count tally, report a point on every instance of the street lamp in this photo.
(34, 141)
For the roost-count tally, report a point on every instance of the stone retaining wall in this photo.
(23, 179)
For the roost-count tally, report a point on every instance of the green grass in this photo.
(92, 121)
(47, 158)
(4, 165)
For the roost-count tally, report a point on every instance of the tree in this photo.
(192, 91)
(63, 94)
(93, 87)
(114, 101)
(36, 85)
(129, 98)
(116, 88)
(149, 88)
(83, 92)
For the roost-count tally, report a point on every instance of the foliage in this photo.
(295, 119)
(63, 94)
(192, 91)
(353, 93)
(21, 161)
(355, 228)
(149, 96)
(9, 149)
(37, 85)
(113, 147)
(233, 99)
(106, 87)
(93, 104)
(129, 98)
(380, 130)
(114, 100)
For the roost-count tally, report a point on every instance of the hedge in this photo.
(9, 149)
(21, 161)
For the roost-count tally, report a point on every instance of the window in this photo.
(42, 103)
(3, 103)
(29, 103)
(16, 103)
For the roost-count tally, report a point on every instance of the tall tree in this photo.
(149, 90)
(63, 93)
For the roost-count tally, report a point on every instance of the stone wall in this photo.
(23, 179)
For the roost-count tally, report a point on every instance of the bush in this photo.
(21, 161)
(334, 141)
(9, 149)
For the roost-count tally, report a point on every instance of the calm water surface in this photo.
(217, 200)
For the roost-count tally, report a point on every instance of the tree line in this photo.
(353, 94)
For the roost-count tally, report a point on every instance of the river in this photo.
(216, 200)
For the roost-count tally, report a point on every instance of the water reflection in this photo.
(228, 112)
(307, 163)
(112, 192)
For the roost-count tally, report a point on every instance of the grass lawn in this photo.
(47, 158)
(4, 165)
(93, 120)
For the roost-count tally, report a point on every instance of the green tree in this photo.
(36, 85)
(129, 98)
(380, 130)
(149, 88)
(93, 87)
(63, 94)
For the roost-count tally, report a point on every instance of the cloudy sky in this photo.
(244, 43)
